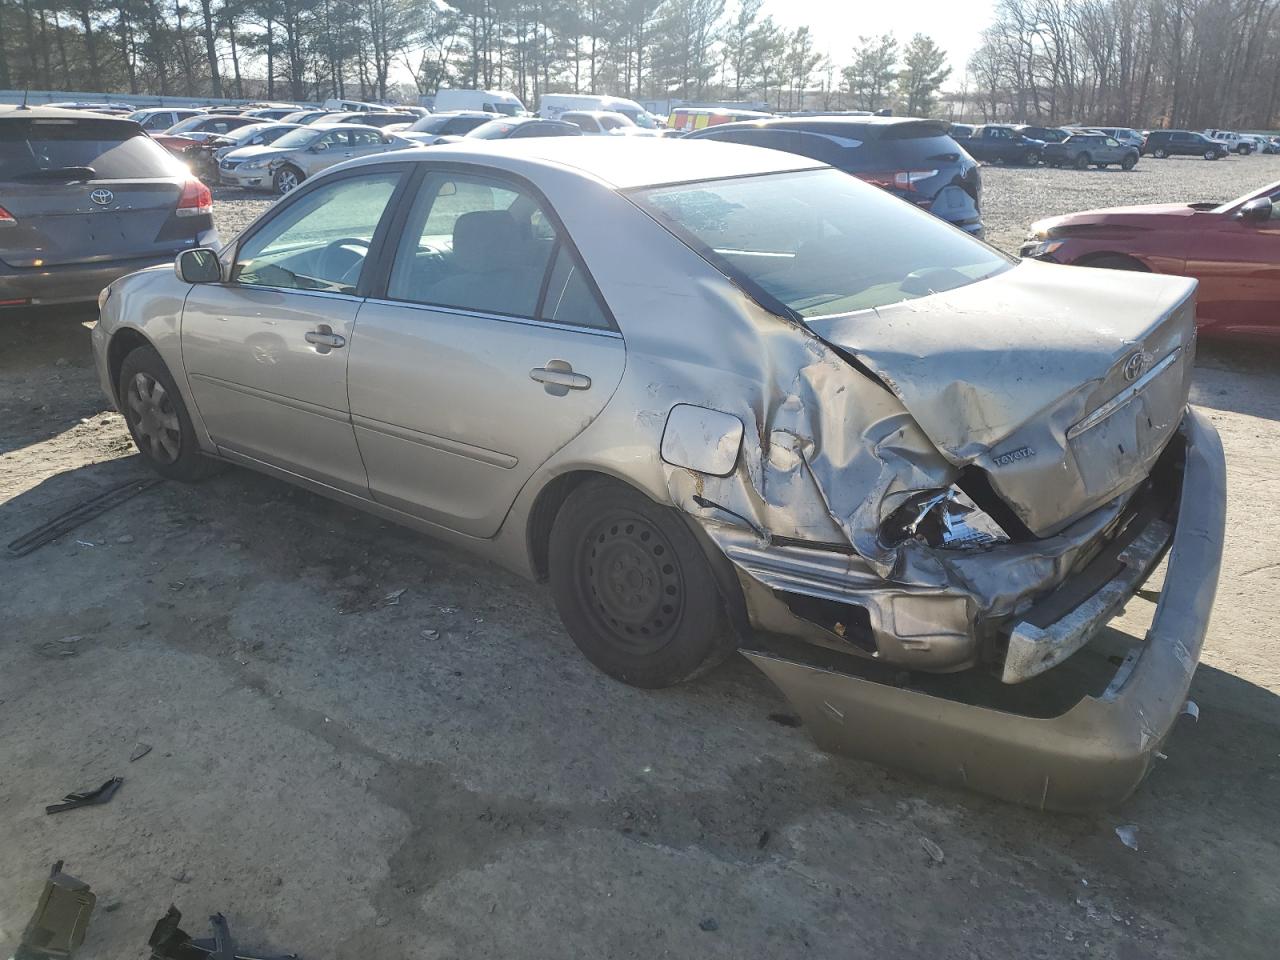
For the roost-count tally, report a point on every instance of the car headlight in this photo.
(103, 296)
(942, 518)
(253, 165)
(1039, 248)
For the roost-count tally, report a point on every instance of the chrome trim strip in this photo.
(1123, 397)
(323, 294)
(500, 317)
(341, 416)
(444, 444)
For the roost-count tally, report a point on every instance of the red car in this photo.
(193, 131)
(1233, 249)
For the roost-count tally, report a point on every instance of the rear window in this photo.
(815, 243)
(115, 151)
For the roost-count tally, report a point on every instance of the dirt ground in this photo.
(445, 777)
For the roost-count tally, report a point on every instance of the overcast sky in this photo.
(837, 24)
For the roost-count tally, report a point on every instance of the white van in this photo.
(553, 104)
(352, 106)
(490, 101)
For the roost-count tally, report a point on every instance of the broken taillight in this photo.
(196, 200)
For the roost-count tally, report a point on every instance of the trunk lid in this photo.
(1062, 383)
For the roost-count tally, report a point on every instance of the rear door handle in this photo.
(324, 339)
(558, 378)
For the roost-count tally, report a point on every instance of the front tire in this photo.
(634, 589)
(1129, 162)
(1159, 154)
(287, 179)
(158, 420)
(1082, 162)
(1211, 154)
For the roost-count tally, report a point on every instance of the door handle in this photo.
(558, 378)
(324, 339)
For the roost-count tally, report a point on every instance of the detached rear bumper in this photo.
(1093, 755)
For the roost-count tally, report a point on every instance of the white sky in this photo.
(955, 25)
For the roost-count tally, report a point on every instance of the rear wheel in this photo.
(1101, 166)
(1159, 153)
(158, 420)
(1129, 162)
(286, 179)
(633, 588)
(1031, 158)
(1211, 154)
(1082, 162)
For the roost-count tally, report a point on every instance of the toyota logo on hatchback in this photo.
(102, 197)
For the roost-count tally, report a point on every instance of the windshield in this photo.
(1271, 191)
(112, 150)
(820, 242)
(430, 124)
(298, 138)
(507, 109)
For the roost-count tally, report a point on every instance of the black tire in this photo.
(634, 589)
(1082, 161)
(286, 179)
(1115, 261)
(1211, 154)
(1129, 162)
(1101, 166)
(1242, 150)
(1159, 153)
(158, 420)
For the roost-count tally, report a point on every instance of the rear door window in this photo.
(114, 151)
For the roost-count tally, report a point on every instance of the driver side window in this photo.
(319, 241)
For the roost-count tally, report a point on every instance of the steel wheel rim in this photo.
(631, 583)
(153, 418)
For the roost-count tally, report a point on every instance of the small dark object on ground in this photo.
(169, 942)
(709, 924)
(764, 839)
(86, 798)
(58, 926)
(68, 520)
(786, 719)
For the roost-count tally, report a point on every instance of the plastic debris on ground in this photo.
(61, 918)
(86, 798)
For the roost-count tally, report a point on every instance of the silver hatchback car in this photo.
(722, 397)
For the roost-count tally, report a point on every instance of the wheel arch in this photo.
(1096, 258)
(122, 343)
(552, 496)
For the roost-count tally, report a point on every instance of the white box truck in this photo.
(491, 101)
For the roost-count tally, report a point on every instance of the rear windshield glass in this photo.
(820, 242)
(851, 147)
(114, 151)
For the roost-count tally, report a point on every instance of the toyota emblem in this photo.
(102, 198)
(1134, 366)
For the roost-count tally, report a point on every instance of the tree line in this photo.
(362, 49)
(1150, 63)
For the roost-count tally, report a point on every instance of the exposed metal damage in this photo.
(911, 495)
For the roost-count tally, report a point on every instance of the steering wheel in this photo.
(340, 261)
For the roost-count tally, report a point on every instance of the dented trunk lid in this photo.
(1062, 383)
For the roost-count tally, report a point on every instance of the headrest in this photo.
(486, 240)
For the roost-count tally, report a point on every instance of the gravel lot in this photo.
(341, 784)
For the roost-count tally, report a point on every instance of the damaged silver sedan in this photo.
(724, 398)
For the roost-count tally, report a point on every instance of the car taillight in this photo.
(907, 179)
(196, 200)
(7, 219)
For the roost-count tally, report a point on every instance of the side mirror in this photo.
(198, 266)
(318, 147)
(1256, 211)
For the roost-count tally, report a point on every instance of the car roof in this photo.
(343, 126)
(869, 128)
(16, 112)
(621, 162)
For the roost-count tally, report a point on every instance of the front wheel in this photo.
(158, 420)
(1211, 154)
(1129, 162)
(1031, 158)
(286, 179)
(1159, 154)
(1082, 162)
(634, 589)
